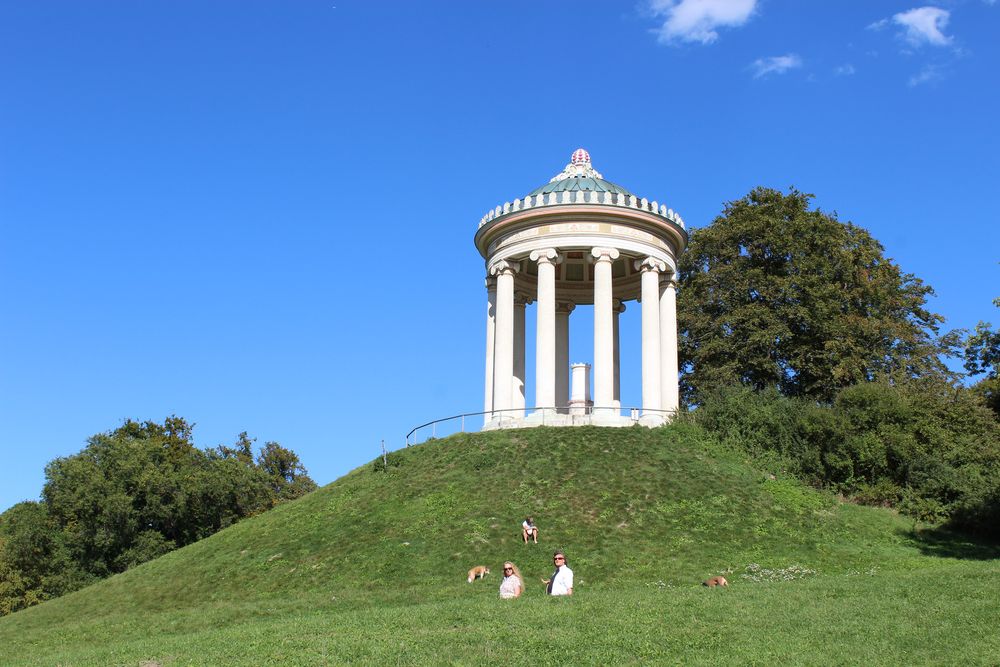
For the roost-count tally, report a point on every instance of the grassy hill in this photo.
(371, 569)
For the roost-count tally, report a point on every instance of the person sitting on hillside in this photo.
(529, 529)
(511, 586)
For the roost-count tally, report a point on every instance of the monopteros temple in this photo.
(579, 239)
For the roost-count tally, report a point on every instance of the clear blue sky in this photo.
(258, 215)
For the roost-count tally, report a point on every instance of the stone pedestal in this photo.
(579, 401)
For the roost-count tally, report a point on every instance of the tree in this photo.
(131, 495)
(35, 564)
(982, 349)
(286, 473)
(982, 355)
(773, 294)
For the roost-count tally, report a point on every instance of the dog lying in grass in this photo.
(478, 572)
(715, 581)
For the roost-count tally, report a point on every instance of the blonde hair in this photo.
(515, 571)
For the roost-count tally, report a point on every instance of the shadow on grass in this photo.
(945, 543)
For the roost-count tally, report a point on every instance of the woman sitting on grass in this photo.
(511, 586)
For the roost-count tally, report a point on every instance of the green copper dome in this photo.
(579, 175)
(582, 183)
(571, 187)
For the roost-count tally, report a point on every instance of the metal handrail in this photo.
(634, 414)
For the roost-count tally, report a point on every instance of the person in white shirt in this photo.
(511, 586)
(561, 582)
(529, 529)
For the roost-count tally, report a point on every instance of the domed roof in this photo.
(580, 184)
(579, 175)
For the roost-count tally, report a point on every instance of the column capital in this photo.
(668, 281)
(522, 298)
(617, 305)
(546, 256)
(650, 264)
(502, 266)
(491, 283)
(565, 307)
(604, 254)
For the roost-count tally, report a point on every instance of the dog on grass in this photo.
(478, 572)
(715, 581)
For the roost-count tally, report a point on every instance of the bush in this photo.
(392, 460)
(926, 447)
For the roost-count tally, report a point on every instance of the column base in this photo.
(545, 417)
(606, 416)
(652, 420)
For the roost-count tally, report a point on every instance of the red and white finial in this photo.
(579, 166)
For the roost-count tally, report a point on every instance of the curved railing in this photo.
(536, 417)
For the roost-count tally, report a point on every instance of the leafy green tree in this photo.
(285, 472)
(982, 355)
(133, 494)
(774, 294)
(35, 564)
(982, 349)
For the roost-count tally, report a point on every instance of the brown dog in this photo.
(478, 572)
(715, 581)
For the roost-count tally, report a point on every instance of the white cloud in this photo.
(697, 20)
(844, 70)
(928, 74)
(775, 65)
(924, 25)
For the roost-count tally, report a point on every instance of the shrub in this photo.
(927, 447)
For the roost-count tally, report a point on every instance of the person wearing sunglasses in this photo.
(511, 586)
(561, 582)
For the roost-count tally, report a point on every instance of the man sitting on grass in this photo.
(529, 529)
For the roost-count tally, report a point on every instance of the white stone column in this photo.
(491, 307)
(563, 309)
(604, 352)
(652, 401)
(503, 356)
(545, 329)
(618, 307)
(521, 300)
(668, 346)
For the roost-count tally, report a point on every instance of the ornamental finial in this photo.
(579, 166)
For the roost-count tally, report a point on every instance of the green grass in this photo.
(371, 569)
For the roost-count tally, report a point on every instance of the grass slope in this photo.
(372, 569)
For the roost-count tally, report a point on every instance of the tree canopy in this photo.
(982, 355)
(130, 495)
(774, 294)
